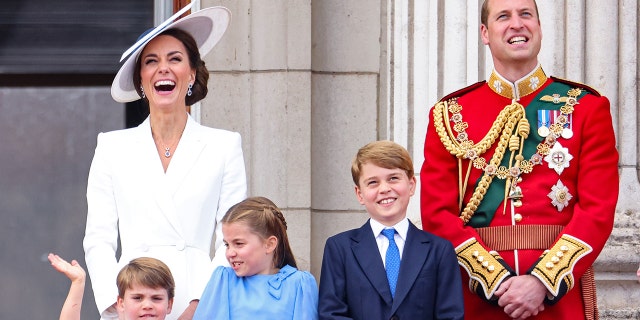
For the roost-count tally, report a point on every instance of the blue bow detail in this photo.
(276, 281)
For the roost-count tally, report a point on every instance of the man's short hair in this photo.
(484, 12)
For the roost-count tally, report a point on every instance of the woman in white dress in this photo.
(163, 186)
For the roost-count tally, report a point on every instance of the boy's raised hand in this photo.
(72, 270)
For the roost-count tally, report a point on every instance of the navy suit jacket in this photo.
(353, 282)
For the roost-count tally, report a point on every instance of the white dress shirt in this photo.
(383, 243)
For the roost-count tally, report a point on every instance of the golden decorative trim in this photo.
(556, 264)
(510, 122)
(481, 265)
(510, 128)
(522, 87)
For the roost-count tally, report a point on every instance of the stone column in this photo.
(344, 110)
(260, 87)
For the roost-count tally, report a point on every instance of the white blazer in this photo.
(170, 216)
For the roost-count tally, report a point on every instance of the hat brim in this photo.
(206, 26)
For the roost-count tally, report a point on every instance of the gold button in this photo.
(517, 217)
(517, 203)
(549, 265)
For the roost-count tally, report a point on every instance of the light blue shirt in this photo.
(288, 294)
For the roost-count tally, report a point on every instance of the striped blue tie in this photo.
(392, 260)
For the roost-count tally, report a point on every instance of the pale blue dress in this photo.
(288, 294)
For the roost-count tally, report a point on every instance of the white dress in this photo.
(170, 216)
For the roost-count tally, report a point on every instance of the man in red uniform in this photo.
(520, 174)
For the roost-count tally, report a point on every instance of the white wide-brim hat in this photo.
(206, 26)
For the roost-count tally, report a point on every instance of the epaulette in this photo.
(463, 91)
(578, 84)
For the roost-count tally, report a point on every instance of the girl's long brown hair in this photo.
(264, 218)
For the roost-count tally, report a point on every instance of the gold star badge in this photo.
(560, 196)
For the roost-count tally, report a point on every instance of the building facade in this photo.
(306, 83)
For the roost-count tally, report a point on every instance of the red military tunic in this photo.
(558, 208)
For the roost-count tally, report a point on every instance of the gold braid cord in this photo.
(484, 267)
(510, 118)
(556, 265)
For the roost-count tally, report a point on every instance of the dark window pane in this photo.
(69, 36)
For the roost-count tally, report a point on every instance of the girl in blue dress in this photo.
(262, 281)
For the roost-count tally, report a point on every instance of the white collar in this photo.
(401, 227)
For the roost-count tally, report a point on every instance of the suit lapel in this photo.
(366, 252)
(144, 152)
(186, 156)
(414, 255)
(169, 183)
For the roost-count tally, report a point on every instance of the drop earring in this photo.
(189, 92)
(142, 91)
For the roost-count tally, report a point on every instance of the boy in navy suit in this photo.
(388, 268)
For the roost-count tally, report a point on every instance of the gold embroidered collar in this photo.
(520, 88)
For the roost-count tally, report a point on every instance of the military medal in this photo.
(567, 133)
(558, 158)
(543, 131)
(560, 196)
(565, 121)
(543, 123)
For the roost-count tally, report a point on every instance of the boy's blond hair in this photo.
(147, 272)
(385, 154)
